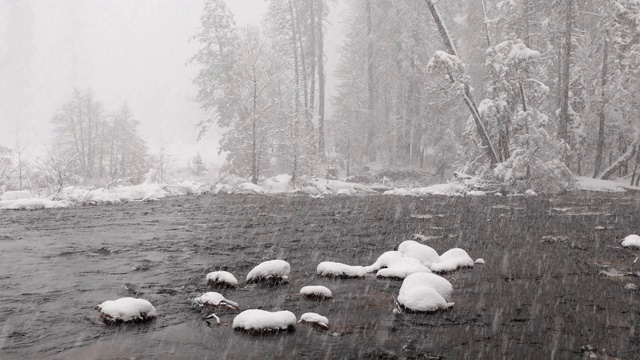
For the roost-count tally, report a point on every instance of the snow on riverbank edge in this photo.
(281, 184)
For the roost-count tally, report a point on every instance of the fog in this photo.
(133, 52)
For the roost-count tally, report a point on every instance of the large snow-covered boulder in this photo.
(335, 269)
(215, 299)
(270, 271)
(631, 241)
(126, 309)
(256, 320)
(451, 260)
(314, 319)
(424, 253)
(436, 282)
(316, 291)
(222, 278)
(422, 299)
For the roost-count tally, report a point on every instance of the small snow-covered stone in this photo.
(631, 241)
(414, 249)
(385, 260)
(221, 278)
(316, 291)
(479, 261)
(451, 260)
(436, 282)
(314, 319)
(420, 236)
(422, 299)
(630, 286)
(530, 192)
(272, 270)
(335, 269)
(256, 320)
(214, 299)
(126, 309)
(402, 268)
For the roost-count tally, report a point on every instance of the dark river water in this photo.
(539, 296)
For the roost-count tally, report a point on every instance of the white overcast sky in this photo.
(132, 51)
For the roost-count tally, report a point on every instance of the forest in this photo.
(519, 91)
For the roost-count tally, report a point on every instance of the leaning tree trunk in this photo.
(622, 160)
(468, 98)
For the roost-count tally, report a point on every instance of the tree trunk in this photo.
(468, 98)
(371, 153)
(254, 138)
(294, 132)
(321, 82)
(312, 59)
(565, 75)
(601, 115)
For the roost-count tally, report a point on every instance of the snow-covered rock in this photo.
(335, 269)
(270, 271)
(278, 184)
(630, 286)
(631, 241)
(309, 190)
(126, 309)
(451, 189)
(256, 320)
(221, 278)
(436, 282)
(422, 299)
(384, 260)
(480, 261)
(214, 299)
(345, 191)
(451, 260)
(249, 188)
(15, 195)
(314, 319)
(316, 291)
(400, 192)
(32, 204)
(530, 192)
(402, 268)
(476, 193)
(424, 253)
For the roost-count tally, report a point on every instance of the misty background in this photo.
(132, 52)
